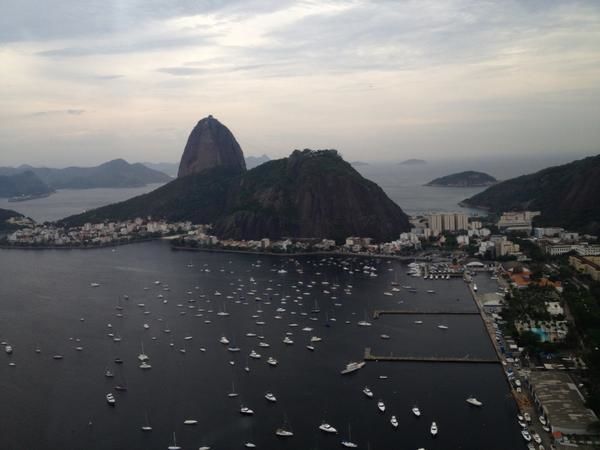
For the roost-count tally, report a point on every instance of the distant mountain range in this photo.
(172, 168)
(412, 162)
(23, 184)
(255, 161)
(113, 174)
(469, 178)
(567, 195)
(309, 194)
(359, 163)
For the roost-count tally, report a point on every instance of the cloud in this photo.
(68, 112)
(429, 75)
(115, 48)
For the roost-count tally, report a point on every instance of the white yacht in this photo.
(145, 366)
(315, 339)
(190, 422)
(272, 361)
(443, 327)
(327, 428)
(368, 392)
(254, 355)
(8, 349)
(394, 422)
(416, 411)
(352, 367)
(224, 340)
(473, 401)
(110, 398)
(526, 435)
(246, 411)
(271, 397)
(283, 432)
(381, 405)
(287, 341)
(433, 429)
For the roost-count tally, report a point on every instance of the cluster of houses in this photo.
(99, 234)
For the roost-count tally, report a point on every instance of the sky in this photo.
(82, 82)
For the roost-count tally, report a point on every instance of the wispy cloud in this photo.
(68, 112)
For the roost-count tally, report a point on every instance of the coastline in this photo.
(321, 253)
(75, 247)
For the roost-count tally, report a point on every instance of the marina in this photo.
(178, 292)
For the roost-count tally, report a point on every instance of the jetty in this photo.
(382, 312)
(368, 356)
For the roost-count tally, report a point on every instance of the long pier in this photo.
(436, 359)
(382, 312)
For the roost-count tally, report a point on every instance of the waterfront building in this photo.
(557, 396)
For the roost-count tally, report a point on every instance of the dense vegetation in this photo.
(6, 214)
(584, 305)
(309, 194)
(469, 178)
(566, 195)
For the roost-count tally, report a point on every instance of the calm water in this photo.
(49, 404)
(67, 202)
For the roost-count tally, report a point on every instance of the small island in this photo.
(413, 162)
(469, 178)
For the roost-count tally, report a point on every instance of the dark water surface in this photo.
(50, 404)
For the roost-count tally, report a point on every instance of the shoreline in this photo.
(320, 253)
(218, 250)
(81, 247)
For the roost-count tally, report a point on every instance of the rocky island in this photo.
(308, 194)
(469, 178)
(413, 162)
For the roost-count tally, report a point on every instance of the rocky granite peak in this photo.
(211, 145)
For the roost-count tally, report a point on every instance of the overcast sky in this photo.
(82, 82)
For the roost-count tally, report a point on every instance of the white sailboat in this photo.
(174, 446)
(348, 442)
(142, 356)
(146, 427)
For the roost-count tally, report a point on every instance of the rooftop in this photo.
(562, 402)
